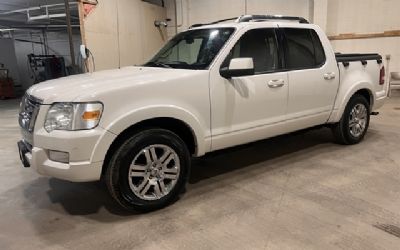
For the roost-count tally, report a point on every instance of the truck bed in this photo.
(361, 70)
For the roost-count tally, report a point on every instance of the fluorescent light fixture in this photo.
(41, 17)
(6, 30)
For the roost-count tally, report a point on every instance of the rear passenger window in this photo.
(259, 44)
(303, 49)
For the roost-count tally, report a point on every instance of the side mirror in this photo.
(83, 51)
(238, 67)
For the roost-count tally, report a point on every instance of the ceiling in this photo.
(14, 14)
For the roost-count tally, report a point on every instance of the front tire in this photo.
(354, 123)
(149, 170)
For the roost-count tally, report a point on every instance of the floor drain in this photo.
(390, 229)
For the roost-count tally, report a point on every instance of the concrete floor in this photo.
(299, 191)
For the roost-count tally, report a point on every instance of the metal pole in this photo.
(44, 34)
(69, 29)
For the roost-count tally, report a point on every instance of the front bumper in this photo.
(81, 171)
(86, 148)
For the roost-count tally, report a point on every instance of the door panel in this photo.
(313, 80)
(310, 93)
(245, 105)
(249, 108)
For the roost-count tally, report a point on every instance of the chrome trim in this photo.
(35, 99)
(358, 120)
(30, 106)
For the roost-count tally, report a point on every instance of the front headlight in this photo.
(73, 116)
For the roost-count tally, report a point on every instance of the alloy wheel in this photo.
(154, 172)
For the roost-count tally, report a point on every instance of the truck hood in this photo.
(84, 87)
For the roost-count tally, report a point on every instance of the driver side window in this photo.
(259, 44)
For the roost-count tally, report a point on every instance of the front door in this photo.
(249, 108)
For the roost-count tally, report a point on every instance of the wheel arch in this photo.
(363, 89)
(367, 93)
(177, 126)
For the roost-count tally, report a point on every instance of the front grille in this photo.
(30, 106)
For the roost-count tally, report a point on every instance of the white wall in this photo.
(122, 32)
(366, 16)
(362, 16)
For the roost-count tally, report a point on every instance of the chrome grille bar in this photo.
(30, 106)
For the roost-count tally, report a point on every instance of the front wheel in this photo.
(354, 123)
(149, 170)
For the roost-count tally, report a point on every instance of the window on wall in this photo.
(303, 49)
(259, 44)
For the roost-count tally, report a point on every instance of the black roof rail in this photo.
(258, 18)
(215, 22)
(254, 18)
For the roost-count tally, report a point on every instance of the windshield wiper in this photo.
(158, 64)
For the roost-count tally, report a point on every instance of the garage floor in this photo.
(298, 191)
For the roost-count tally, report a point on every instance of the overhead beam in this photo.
(24, 10)
(42, 26)
(37, 25)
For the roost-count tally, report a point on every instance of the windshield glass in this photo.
(193, 49)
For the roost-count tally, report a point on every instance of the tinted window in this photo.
(319, 50)
(303, 49)
(259, 44)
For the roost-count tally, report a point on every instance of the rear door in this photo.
(313, 78)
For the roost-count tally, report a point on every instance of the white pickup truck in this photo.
(211, 87)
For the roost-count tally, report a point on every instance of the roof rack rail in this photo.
(218, 21)
(258, 18)
(254, 18)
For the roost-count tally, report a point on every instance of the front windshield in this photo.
(193, 49)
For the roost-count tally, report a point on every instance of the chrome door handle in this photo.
(276, 83)
(330, 76)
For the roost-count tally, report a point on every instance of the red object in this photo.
(6, 88)
(88, 8)
(382, 76)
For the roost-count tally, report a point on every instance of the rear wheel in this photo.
(354, 123)
(149, 170)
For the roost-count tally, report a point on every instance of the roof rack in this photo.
(260, 18)
(219, 21)
(254, 18)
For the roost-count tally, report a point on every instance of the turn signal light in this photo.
(91, 115)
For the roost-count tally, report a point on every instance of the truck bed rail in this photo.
(357, 57)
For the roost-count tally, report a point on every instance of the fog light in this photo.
(59, 156)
